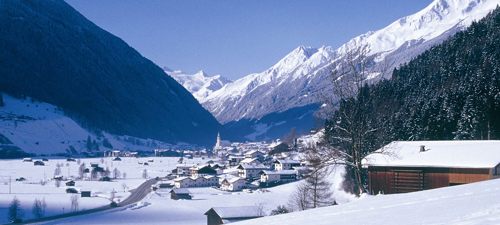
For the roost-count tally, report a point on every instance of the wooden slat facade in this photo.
(393, 180)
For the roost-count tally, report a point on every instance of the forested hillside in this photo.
(451, 91)
(52, 53)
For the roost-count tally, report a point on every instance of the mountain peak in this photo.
(201, 73)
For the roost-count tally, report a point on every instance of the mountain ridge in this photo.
(54, 54)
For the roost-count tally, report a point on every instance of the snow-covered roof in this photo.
(180, 191)
(252, 167)
(449, 154)
(253, 151)
(181, 178)
(284, 172)
(234, 179)
(238, 212)
(289, 161)
(248, 160)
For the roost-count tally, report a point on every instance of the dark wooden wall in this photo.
(391, 180)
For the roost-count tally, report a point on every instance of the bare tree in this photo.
(57, 182)
(350, 133)
(124, 186)
(81, 170)
(262, 207)
(57, 170)
(39, 208)
(74, 202)
(124, 175)
(112, 195)
(116, 173)
(107, 172)
(15, 210)
(145, 174)
(316, 181)
(299, 199)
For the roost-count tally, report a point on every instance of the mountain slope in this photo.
(199, 84)
(301, 78)
(54, 54)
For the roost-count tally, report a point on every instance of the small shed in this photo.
(27, 160)
(225, 215)
(85, 194)
(70, 183)
(39, 163)
(180, 193)
(106, 178)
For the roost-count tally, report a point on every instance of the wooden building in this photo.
(225, 215)
(85, 194)
(402, 167)
(180, 193)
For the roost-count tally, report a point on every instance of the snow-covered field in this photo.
(476, 203)
(157, 207)
(58, 201)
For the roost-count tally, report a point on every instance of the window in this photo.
(497, 170)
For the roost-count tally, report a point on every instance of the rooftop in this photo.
(449, 154)
(238, 212)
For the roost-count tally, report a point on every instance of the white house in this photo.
(201, 181)
(250, 171)
(285, 164)
(254, 154)
(182, 182)
(250, 161)
(277, 176)
(184, 169)
(234, 184)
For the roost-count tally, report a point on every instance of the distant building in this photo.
(278, 176)
(282, 164)
(234, 184)
(180, 193)
(85, 194)
(220, 144)
(225, 215)
(250, 171)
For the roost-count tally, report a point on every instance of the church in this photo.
(221, 144)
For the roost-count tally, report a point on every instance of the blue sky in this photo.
(235, 38)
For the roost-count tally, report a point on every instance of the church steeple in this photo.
(218, 144)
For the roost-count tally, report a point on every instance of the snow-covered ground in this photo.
(158, 208)
(58, 201)
(476, 203)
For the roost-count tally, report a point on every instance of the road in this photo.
(136, 195)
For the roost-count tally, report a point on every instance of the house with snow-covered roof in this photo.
(285, 164)
(250, 171)
(225, 215)
(406, 166)
(233, 184)
(277, 176)
(254, 154)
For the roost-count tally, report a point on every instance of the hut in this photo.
(180, 193)
(407, 166)
(225, 215)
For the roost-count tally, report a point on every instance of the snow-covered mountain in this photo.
(199, 84)
(301, 77)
